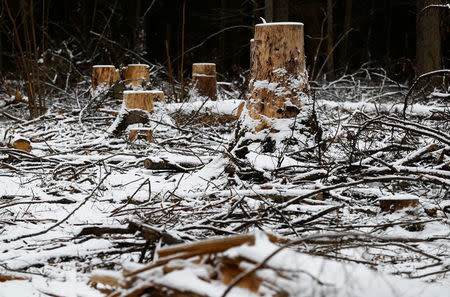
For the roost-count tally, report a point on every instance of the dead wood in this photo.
(136, 74)
(104, 74)
(204, 82)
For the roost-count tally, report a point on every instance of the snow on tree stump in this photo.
(204, 80)
(136, 74)
(142, 100)
(398, 202)
(279, 81)
(104, 75)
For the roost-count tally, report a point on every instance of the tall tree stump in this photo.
(136, 74)
(104, 74)
(204, 80)
(279, 81)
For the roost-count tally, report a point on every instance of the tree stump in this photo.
(204, 80)
(104, 74)
(279, 80)
(136, 74)
(142, 100)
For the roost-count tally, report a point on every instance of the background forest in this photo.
(340, 36)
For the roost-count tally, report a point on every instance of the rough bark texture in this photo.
(204, 80)
(136, 74)
(279, 79)
(428, 40)
(104, 74)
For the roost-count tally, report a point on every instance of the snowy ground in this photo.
(77, 176)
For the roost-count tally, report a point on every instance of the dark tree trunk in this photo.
(277, 11)
(347, 22)
(428, 39)
(330, 42)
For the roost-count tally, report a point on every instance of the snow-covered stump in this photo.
(136, 75)
(278, 116)
(105, 75)
(143, 100)
(204, 81)
(279, 81)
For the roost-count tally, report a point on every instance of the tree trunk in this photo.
(268, 11)
(204, 80)
(136, 74)
(428, 39)
(347, 21)
(279, 79)
(276, 11)
(104, 74)
(330, 40)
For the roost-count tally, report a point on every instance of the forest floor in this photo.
(82, 201)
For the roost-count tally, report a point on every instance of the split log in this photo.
(394, 204)
(104, 74)
(204, 80)
(279, 80)
(136, 74)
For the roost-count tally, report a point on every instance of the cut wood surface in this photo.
(136, 74)
(392, 204)
(139, 99)
(22, 144)
(279, 79)
(104, 74)
(204, 80)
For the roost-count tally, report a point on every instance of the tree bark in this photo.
(428, 39)
(279, 79)
(268, 11)
(330, 40)
(136, 74)
(347, 21)
(204, 80)
(104, 74)
(276, 11)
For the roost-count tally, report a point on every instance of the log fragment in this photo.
(279, 81)
(104, 74)
(394, 204)
(22, 144)
(204, 80)
(136, 74)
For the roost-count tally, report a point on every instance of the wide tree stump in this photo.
(104, 75)
(143, 100)
(204, 80)
(279, 81)
(136, 74)
(139, 100)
